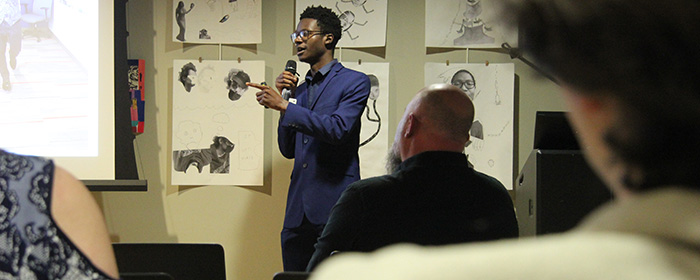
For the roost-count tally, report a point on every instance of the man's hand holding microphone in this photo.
(285, 83)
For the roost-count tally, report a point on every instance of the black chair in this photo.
(177, 261)
(291, 275)
(145, 276)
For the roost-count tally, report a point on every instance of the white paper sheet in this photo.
(211, 109)
(491, 147)
(364, 21)
(217, 21)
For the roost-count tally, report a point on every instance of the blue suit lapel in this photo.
(321, 89)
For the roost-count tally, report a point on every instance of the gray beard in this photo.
(393, 159)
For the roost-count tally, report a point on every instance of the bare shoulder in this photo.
(80, 218)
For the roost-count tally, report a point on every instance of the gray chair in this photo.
(38, 16)
(180, 261)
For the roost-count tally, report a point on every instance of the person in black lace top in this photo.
(50, 225)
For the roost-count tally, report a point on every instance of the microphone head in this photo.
(291, 66)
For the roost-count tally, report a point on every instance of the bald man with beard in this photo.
(432, 196)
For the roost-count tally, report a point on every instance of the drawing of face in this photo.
(188, 133)
(206, 78)
(192, 77)
(235, 82)
(374, 87)
(188, 76)
(464, 80)
(347, 18)
(223, 144)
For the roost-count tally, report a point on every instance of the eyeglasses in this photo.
(304, 34)
(464, 84)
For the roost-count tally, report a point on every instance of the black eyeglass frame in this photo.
(304, 37)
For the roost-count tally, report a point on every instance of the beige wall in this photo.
(247, 220)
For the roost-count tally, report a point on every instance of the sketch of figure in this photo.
(464, 80)
(180, 13)
(472, 26)
(235, 83)
(217, 156)
(373, 95)
(358, 3)
(347, 19)
(188, 76)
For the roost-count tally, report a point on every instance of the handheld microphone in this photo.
(291, 67)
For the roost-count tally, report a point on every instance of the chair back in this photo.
(291, 275)
(42, 8)
(181, 261)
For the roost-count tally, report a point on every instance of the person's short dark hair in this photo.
(327, 20)
(373, 80)
(643, 54)
(185, 71)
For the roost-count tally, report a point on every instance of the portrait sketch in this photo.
(216, 139)
(491, 88)
(374, 134)
(363, 21)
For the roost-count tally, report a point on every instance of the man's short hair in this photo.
(643, 54)
(326, 19)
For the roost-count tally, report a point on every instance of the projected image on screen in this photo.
(51, 83)
(48, 97)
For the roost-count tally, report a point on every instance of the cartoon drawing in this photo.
(347, 19)
(358, 3)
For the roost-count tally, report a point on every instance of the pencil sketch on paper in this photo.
(491, 90)
(217, 112)
(217, 21)
(347, 19)
(363, 22)
(464, 24)
(374, 132)
(375, 117)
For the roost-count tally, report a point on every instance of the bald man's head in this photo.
(448, 110)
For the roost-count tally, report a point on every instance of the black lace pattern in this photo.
(31, 245)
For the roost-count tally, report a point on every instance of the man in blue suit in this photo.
(319, 127)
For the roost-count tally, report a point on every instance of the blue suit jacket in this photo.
(323, 139)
